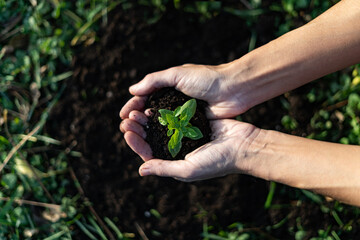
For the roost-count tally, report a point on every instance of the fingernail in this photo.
(145, 172)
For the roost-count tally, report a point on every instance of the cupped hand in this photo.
(228, 152)
(209, 83)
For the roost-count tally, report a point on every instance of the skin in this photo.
(328, 43)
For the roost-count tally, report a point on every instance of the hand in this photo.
(228, 152)
(209, 83)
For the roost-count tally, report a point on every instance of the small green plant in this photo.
(178, 123)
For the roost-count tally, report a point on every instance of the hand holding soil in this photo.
(230, 89)
(202, 163)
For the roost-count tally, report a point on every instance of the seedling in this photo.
(179, 126)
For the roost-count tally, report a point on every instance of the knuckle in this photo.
(173, 71)
(149, 77)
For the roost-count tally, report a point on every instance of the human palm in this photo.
(230, 137)
(223, 155)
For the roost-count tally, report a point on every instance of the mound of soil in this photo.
(156, 134)
(86, 119)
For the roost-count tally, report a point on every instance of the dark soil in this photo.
(156, 134)
(86, 120)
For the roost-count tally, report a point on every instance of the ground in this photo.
(87, 119)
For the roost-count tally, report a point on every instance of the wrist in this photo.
(253, 79)
(264, 155)
(236, 75)
(250, 152)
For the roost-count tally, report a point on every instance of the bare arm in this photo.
(327, 168)
(329, 43)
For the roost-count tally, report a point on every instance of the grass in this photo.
(37, 43)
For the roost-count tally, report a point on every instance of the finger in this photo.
(154, 81)
(130, 125)
(149, 112)
(179, 169)
(138, 145)
(215, 112)
(135, 103)
(138, 117)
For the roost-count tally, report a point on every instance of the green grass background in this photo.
(38, 39)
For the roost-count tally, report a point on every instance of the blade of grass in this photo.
(92, 210)
(252, 42)
(98, 229)
(244, 13)
(211, 236)
(114, 227)
(44, 116)
(59, 78)
(270, 195)
(17, 147)
(87, 25)
(73, 17)
(10, 25)
(335, 235)
(314, 197)
(85, 231)
(56, 235)
(279, 224)
(6, 223)
(23, 158)
(47, 139)
(76, 218)
(9, 203)
(7, 207)
(41, 138)
(205, 231)
(29, 219)
(337, 218)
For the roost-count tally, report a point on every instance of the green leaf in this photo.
(163, 113)
(174, 144)
(162, 121)
(193, 133)
(170, 132)
(9, 180)
(177, 111)
(187, 111)
(172, 121)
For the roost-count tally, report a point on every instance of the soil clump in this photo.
(156, 134)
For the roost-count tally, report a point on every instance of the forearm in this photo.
(327, 168)
(329, 43)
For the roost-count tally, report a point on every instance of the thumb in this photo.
(154, 81)
(180, 169)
